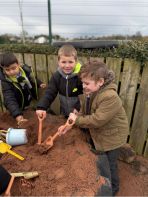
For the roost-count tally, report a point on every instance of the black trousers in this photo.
(108, 168)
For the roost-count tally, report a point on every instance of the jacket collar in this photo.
(14, 79)
(75, 71)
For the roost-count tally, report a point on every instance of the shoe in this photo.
(115, 192)
(104, 187)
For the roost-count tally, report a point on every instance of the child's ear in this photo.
(101, 82)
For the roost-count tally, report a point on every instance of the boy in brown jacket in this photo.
(106, 120)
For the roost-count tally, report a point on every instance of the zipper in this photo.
(67, 86)
(87, 110)
(35, 81)
(21, 94)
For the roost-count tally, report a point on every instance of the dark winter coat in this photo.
(4, 179)
(68, 87)
(16, 98)
(107, 121)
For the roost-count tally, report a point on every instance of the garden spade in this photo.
(5, 148)
(48, 143)
(25, 175)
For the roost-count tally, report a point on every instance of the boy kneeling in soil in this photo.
(19, 85)
(64, 81)
(107, 121)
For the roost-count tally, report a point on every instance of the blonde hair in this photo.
(67, 50)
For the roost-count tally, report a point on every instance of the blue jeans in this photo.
(107, 167)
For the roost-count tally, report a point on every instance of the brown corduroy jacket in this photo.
(107, 121)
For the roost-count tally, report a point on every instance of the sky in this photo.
(75, 18)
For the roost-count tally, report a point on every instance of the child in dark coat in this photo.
(4, 179)
(18, 84)
(65, 82)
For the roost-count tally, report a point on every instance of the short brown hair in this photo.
(95, 70)
(7, 59)
(67, 50)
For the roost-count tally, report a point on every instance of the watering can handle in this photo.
(15, 154)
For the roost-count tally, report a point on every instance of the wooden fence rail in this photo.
(131, 79)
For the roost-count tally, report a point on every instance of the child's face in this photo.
(90, 86)
(12, 70)
(67, 64)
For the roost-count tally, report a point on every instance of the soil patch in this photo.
(68, 168)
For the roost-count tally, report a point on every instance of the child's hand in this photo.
(41, 114)
(63, 129)
(43, 85)
(75, 112)
(66, 127)
(20, 120)
(72, 116)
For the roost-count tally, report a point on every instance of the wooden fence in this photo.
(132, 81)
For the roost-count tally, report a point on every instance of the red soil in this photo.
(68, 168)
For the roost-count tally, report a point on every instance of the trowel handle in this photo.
(7, 192)
(55, 135)
(69, 122)
(40, 130)
(15, 154)
(41, 118)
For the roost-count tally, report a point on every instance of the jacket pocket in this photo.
(110, 131)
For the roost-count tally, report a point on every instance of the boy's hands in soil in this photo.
(21, 120)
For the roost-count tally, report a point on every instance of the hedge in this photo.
(137, 50)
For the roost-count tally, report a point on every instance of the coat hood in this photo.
(109, 79)
(110, 86)
(2, 76)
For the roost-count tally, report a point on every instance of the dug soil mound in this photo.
(68, 168)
